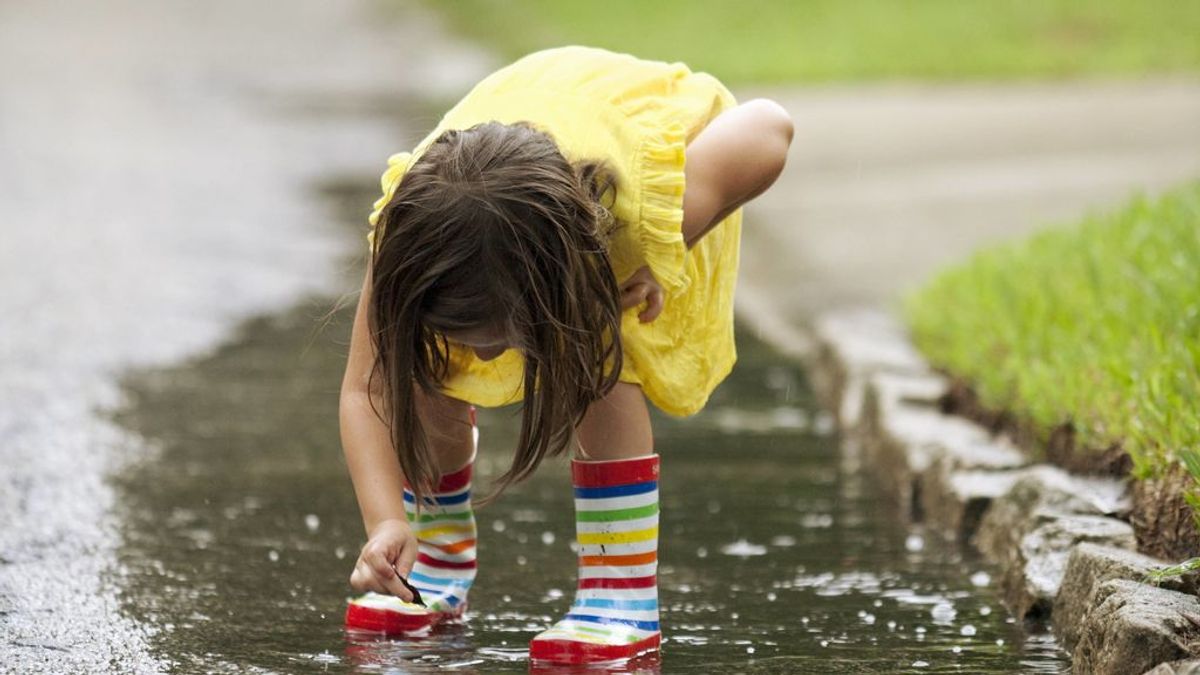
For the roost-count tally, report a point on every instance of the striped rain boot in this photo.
(445, 565)
(615, 613)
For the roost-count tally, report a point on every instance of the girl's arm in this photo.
(374, 469)
(731, 161)
(366, 442)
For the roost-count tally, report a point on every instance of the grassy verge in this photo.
(768, 41)
(1097, 326)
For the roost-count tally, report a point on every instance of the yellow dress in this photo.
(640, 115)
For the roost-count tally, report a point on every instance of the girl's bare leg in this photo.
(447, 423)
(617, 426)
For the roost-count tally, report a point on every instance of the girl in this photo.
(567, 236)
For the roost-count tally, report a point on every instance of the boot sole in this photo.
(390, 622)
(574, 652)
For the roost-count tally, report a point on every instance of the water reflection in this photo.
(449, 647)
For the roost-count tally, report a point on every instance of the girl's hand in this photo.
(388, 555)
(641, 287)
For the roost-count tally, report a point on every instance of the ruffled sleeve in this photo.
(397, 165)
(660, 230)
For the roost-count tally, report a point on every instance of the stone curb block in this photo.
(1089, 566)
(916, 449)
(1034, 557)
(850, 345)
(1135, 627)
(957, 500)
(1030, 530)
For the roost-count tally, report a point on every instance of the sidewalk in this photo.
(886, 184)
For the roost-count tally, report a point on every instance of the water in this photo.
(777, 554)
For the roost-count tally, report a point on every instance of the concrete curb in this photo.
(1065, 551)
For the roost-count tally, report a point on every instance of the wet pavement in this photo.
(777, 554)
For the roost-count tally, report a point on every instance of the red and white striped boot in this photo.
(445, 565)
(615, 612)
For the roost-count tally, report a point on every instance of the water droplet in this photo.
(743, 549)
(554, 593)
(824, 643)
(869, 619)
(980, 579)
(920, 664)
(339, 552)
(943, 613)
(547, 538)
(985, 610)
(701, 552)
(783, 541)
(919, 629)
(521, 560)
(507, 599)
(804, 620)
(1000, 642)
(771, 597)
(878, 603)
(325, 657)
(891, 625)
(273, 556)
(499, 525)
(967, 630)
(312, 522)
(816, 521)
(749, 650)
(914, 543)
(956, 649)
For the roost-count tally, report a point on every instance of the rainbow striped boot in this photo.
(445, 565)
(615, 613)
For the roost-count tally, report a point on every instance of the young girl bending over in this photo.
(567, 236)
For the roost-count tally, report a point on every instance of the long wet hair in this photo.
(493, 227)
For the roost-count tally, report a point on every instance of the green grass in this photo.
(1097, 325)
(772, 41)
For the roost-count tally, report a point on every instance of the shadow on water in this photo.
(777, 555)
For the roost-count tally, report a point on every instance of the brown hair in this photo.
(493, 226)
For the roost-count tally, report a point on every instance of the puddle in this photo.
(777, 554)
(241, 535)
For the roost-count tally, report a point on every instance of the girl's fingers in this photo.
(406, 560)
(654, 306)
(386, 575)
(363, 580)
